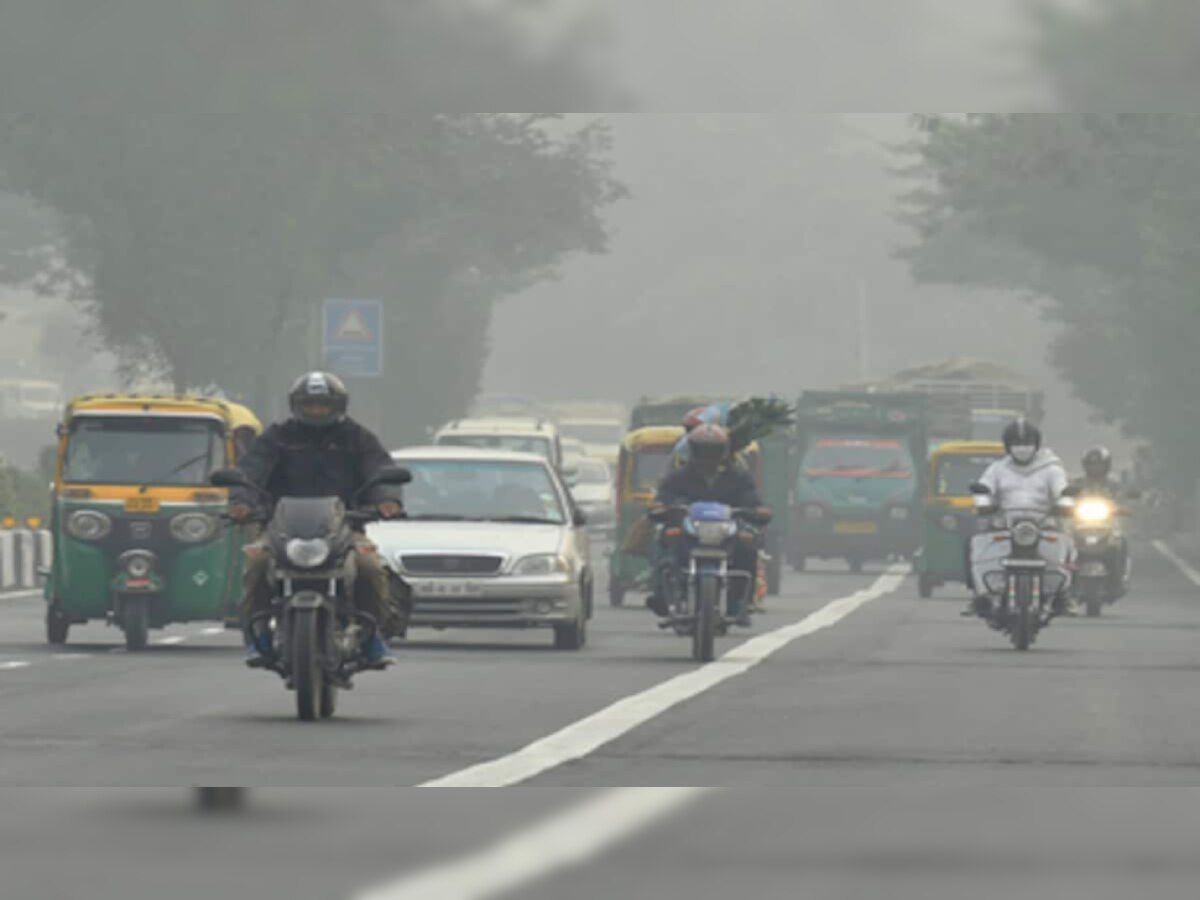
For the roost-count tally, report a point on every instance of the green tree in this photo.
(1099, 212)
(220, 167)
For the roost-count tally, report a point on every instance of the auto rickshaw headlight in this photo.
(137, 563)
(88, 525)
(308, 554)
(193, 528)
(950, 523)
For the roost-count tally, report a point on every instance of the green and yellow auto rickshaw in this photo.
(949, 516)
(139, 541)
(645, 458)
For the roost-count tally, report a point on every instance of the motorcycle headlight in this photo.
(193, 528)
(1026, 534)
(950, 523)
(137, 563)
(1093, 512)
(899, 513)
(542, 564)
(307, 554)
(88, 525)
(714, 534)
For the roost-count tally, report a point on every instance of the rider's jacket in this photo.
(733, 486)
(1034, 488)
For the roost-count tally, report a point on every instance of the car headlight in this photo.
(193, 528)
(542, 564)
(88, 525)
(1093, 512)
(137, 563)
(1026, 534)
(899, 513)
(949, 522)
(307, 554)
(813, 512)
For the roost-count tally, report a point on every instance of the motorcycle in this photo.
(317, 635)
(1032, 553)
(1098, 540)
(695, 594)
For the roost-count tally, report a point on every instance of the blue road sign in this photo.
(352, 338)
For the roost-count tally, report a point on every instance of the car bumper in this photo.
(494, 602)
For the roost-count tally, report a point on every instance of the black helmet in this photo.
(709, 448)
(1097, 463)
(319, 400)
(1022, 440)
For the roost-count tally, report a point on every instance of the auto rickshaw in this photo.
(949, 516)
(139, 541)
(644, 460)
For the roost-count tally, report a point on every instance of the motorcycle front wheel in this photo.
(316, 696)
(1023, 627)
(708, 596)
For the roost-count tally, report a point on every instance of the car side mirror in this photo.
(228, 478)
(579, 518)
(393, 475)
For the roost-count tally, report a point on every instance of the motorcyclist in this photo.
(711, 475)
(318, 452)
(1097, 481)
(1029, 479)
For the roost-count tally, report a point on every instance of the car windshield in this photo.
(594, 432)
(591, 472)
(858, 457)
(511, 442)
(481, 490)
(143, 450)
(956, 474)
(650, 466)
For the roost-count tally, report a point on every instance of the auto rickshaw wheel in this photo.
(856, 564)
(925, 586)
(58, 627)
(799, 563)
(220, 799)
(774, 575)
(135, 622)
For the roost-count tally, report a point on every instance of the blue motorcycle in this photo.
(697, 573)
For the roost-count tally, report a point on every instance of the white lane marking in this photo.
(1180, 563)
(20, 595)
(172, 641)
(15, 664)
(116, 650)
(587, 735)
(561, 841)
(213, 631)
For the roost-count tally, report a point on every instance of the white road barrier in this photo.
(23, 554)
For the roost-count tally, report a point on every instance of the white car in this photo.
(492, 539)
(594, 493)
(517, 435)
(601, 437)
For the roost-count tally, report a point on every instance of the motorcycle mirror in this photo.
(228, 478)
(981, 490)
(1072, 491)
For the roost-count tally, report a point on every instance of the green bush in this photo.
(22, 494)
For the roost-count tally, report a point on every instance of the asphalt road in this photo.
(876, 689)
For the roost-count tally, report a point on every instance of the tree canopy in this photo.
(1100, 212)
(220, 168)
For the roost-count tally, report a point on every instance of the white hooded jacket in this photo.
(1034, 488)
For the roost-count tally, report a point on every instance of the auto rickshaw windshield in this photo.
(650, 466)
(956, 474)
(160, 451)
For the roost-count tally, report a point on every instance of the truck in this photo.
(969, 399)
(859, 475)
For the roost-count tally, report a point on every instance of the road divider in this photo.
(584, 737)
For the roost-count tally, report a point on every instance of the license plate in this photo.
(447, 587)
(141, 505)
(855, 528)
(137, 584)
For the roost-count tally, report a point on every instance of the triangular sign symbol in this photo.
(353, 328)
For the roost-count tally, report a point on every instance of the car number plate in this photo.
(855, 528)
(447, 587)
(141, 504)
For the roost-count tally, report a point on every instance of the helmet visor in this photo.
(708, 457)
(317, 411)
